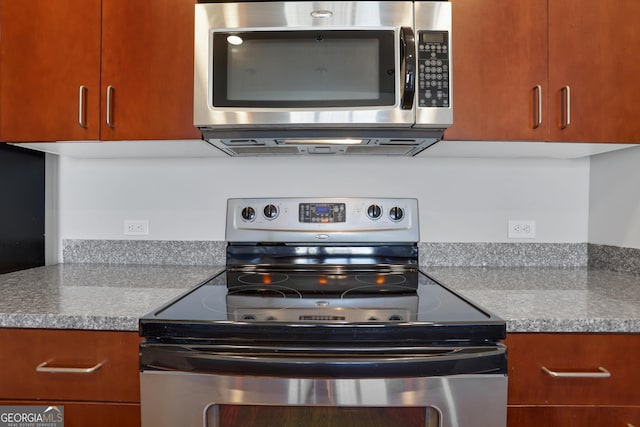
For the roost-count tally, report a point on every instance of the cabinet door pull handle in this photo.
(537, 119)
(601, 373)
(566, 119)
(59, 370)
(82, 108)
(110, 90)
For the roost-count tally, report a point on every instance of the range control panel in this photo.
(322, 219)
(322, 212)
(433, 68)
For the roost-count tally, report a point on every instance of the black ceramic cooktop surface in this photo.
(308, 305)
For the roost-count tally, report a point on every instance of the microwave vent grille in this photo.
(388, 150)
(259, 150)
(404, 141)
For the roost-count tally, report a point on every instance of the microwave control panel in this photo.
(433, 68)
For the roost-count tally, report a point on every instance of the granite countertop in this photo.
(113, 297)
(92, 296)
(551, 299)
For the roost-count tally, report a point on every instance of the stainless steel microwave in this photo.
(306, 77)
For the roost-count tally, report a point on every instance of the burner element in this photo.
(381, 278)
(270, 291)
(263, 278)
(373, 290)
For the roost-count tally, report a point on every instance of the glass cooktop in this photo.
(299, 304)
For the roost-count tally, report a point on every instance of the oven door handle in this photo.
(458, 361)
(408, 66)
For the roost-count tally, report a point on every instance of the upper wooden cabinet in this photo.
(147, 61)
(49, 50)
(594, 52)
(499, 56)
(91, 69)
(540, 70)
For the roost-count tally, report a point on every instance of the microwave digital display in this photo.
(432, 36)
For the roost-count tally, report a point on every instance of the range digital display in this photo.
(322, 212)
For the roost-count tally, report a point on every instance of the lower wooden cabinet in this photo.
(573, 379)
(93, 374)
(573, 416)
(90, 414)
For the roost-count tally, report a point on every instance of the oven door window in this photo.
(304, 69)
(320, 416)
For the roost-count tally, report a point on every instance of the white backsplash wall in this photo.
(614, 207)
(460, 199)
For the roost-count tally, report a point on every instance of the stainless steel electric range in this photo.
(322, 317)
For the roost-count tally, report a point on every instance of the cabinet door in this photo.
(573, 416)
(93, 414)
(147, 68)
(499, 58)
(48, 50)
(593, 50)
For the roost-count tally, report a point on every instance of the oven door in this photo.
(229, 386)
(304, 64)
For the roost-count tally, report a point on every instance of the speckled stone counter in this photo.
(551, 299)
(92, 296)
(113, 297)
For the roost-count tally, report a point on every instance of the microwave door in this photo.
(332, 77)
(286, 64)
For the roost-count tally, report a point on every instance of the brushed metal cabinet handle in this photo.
(601, 373)
(566, 119)
(537, 120)
(110, 90)
(82, 107)
(59, 370)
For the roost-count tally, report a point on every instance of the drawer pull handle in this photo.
(602, 373)
(59, 370)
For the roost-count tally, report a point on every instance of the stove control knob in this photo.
(374, 211)
(249, 317)
(396, 213)
(248, 213)
(270, 211)
(395, 318)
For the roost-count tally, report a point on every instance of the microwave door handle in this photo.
(408, 67)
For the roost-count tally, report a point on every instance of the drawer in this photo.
(573, 416)
(69, 365)
(91, 414)
(581, 362)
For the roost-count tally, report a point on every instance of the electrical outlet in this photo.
(136, 227)
(522, 229)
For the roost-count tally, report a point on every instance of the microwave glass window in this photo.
(304, 69)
